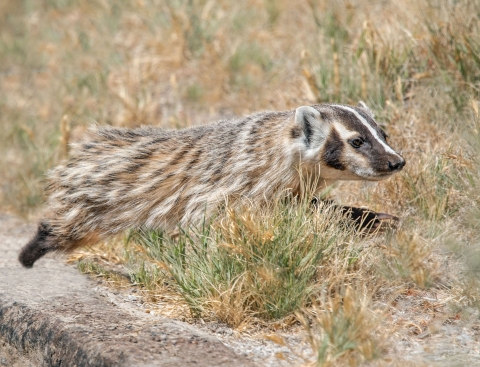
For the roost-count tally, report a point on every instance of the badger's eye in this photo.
(356, 143)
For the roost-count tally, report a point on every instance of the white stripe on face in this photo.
(344, 133)
(370, 128)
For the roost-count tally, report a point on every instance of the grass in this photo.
(177, 63)
(342, 327)
(248, 264)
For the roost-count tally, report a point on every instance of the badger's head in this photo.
(346, 142)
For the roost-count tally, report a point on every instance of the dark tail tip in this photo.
(38, 246)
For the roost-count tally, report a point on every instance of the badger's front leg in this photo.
(364, 219)
(368, 220)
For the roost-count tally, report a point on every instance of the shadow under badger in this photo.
(156, 178)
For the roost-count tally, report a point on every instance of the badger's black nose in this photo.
(396, 165)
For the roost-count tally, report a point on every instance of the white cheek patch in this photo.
(370, 128)
(359, 164)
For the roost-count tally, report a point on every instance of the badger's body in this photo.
(155, 178)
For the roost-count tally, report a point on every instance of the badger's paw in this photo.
(368, 221)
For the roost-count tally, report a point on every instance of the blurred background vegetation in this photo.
(176, 63)
(66, 64)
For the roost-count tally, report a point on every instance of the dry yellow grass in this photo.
(65, 64)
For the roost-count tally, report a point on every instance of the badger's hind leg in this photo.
(41, 244)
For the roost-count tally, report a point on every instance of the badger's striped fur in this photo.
(156, 178)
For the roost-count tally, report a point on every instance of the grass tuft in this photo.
(254, 262)
(342, 328)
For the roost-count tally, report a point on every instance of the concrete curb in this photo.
(52, 315)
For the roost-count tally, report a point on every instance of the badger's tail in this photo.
(42, 243)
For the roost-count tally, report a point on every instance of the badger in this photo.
(154, 178)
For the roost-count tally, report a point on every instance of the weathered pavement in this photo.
(51, 315)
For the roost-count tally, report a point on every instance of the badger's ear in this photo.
(363, 105)
(314, 125)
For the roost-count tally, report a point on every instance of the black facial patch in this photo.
(296, 132)
(332, 151)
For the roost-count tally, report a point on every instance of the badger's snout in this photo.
(396, 164)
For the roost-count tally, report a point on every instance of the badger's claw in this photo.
(368, 221)
(365, 220)
(380, 223)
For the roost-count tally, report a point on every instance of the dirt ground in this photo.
(52, 315)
